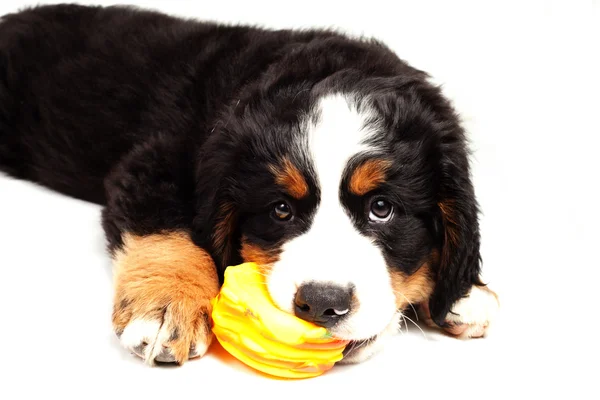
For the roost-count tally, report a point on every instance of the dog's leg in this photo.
(163, 281)
(470, 316)
(163, 287)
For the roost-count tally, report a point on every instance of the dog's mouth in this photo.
(355, 345)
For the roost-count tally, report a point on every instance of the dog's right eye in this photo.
(381, 211)
(282, 211)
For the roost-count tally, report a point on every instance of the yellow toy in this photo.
(256, 332)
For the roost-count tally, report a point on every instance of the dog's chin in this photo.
(362, 326)
(359, 350)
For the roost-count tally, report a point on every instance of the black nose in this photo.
(322, 304)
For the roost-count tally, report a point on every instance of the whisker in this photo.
(405, 323)
(363, 344)
(425, 336)
(353, 345)
(409, 303)
(359, 345)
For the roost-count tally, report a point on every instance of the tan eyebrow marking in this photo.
(290, 178)
(368, 176)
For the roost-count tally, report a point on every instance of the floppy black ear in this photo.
(215, 226)
(460, 262)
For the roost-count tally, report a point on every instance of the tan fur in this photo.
(166, 278)
(254, 253)
(368, 176)
(412, 289)
(290, 178)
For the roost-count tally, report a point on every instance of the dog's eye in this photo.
(282, 211)
(381, 210)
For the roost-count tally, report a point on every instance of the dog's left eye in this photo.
(282, 211)
(381, 210)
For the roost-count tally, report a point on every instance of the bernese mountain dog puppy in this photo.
(327, 159)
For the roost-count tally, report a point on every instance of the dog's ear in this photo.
(215, 226)
(458, 228)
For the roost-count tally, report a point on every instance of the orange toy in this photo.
(256, 332)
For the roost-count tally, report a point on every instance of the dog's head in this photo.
(352, 193)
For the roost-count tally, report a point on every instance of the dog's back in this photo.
(79, 86)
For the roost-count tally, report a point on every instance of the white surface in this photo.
(525, 78)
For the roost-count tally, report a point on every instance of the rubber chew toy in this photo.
(253, 330)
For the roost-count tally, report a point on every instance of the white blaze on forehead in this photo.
(338, 133)
(333, 250)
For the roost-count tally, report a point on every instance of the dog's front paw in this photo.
(471, 316)
(163, 289)
(163, 329)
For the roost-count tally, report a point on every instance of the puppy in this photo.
(328, 160)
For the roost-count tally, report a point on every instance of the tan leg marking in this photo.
(163, 288)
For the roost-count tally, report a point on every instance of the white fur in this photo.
(364, 352)
(201, 346)
(478, 306)
(333, 251)
(156, 346)
(477, 310)
(138, 331)
(155, 335)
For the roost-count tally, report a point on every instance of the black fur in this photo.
(166, 122)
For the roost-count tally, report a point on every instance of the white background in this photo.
(525, 77)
